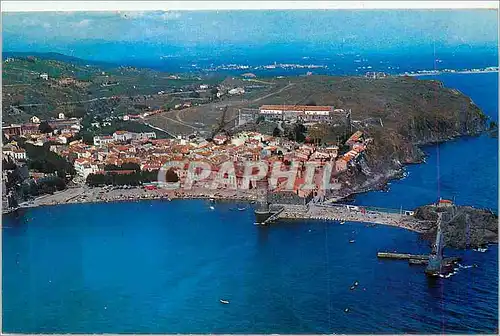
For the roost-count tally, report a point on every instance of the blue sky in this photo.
(152, 34)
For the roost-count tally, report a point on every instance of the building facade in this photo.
(298, 112)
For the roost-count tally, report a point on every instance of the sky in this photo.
(152, 34)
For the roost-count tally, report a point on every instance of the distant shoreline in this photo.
(447, 72)
(84, 195)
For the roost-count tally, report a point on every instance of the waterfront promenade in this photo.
(329, 212)
(354, 214)
(85, 194)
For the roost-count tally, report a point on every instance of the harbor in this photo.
(343, 213)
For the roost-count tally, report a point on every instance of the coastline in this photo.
(81, 195)
(342, 213)
(438, 72)
(85, 194)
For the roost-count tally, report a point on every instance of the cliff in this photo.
(409, 113)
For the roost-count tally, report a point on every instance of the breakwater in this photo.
(354, 214)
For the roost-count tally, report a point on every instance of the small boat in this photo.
(224, 301)
(242, 209)
(342, 223)
(356, 283)
(212, 207)
(352, 287)
(351, 241)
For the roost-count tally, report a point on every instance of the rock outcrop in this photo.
(463, 227)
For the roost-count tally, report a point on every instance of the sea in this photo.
(163, 267)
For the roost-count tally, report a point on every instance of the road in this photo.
(221, 105)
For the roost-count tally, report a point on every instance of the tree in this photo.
(43, 160)
(276, 132)
(260, 119)
(44, 127)
(213, 92)
(171, 176)
(297, 133)
(8, 164)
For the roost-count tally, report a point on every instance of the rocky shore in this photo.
(463, 226)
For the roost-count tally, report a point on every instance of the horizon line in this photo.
(71, 6)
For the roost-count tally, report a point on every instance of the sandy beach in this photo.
(85, 194)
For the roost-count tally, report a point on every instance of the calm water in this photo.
(162, 267)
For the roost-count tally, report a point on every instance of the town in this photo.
(130, 158)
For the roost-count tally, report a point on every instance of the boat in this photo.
(212, 207)
(342, 223)
(351, 241)
(352, 287)
(224, 301)
(356, 283)
(242, 209)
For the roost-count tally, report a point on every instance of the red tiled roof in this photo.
(296, 107)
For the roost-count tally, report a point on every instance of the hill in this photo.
(74, 85)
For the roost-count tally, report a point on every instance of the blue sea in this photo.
(162, 267)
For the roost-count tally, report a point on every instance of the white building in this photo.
(122, 136)
(35, 119)
(44, 76)
(62, 139)
(14, 152)
(301, 112)
(83, 167)
(125, 136)
(144, 135)
(237, 91)
(101, 140)
(61, 116)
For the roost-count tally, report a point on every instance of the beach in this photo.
(85, 194)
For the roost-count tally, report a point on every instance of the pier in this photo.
(435, 263)
(351, 213)
(274, 216)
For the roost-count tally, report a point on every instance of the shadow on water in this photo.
(16, 219)
(435, 287)
(262, 234)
